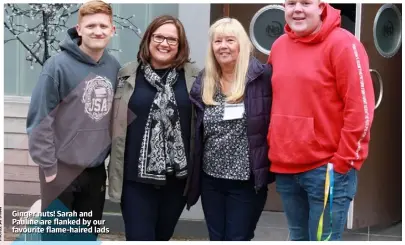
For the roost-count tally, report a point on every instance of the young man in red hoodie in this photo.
(323, 106)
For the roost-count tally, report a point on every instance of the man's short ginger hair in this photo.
(95, 7)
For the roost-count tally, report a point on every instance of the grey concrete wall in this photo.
(196, 21)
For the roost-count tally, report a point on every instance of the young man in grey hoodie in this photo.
(68, 125)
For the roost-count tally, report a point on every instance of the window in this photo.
(20, 76)
(348, 14)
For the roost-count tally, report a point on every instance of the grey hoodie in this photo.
(69, 117)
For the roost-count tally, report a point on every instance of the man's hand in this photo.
(50, 178)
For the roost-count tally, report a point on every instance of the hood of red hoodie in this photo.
(330, 20)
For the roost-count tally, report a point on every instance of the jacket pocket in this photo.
(293, 140)
(86, 147)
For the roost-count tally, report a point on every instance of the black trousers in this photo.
(151, 213)
(231, 208)
(74, 191)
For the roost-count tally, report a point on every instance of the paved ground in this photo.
(114, 236)
(272, 226)
(393, 233)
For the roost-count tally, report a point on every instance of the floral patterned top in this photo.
(226, 150)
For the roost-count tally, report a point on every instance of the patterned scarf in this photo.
(162, 143)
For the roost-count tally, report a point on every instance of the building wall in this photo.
(21, 173)
(196, 21)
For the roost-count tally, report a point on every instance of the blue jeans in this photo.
(231, 208)
(302, 196)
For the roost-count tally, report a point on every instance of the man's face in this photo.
(303, 16)
(95, 31)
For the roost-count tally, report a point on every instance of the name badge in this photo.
(233, 111)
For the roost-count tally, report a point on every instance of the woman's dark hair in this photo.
(183, 53)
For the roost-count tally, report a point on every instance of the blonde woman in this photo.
(232, 97)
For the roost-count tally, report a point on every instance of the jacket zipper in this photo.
(256, 188)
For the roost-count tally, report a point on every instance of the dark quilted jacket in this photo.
(258, 97)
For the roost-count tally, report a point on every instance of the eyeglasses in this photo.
(170, 40)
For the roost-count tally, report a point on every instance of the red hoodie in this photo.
(323, 99)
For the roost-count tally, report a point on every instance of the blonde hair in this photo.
(212, 74)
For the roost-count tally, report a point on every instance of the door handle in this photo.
(380, 82)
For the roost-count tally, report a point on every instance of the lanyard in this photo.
(329, 182)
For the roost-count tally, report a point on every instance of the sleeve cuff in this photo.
(49, 171)
(340, 165)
